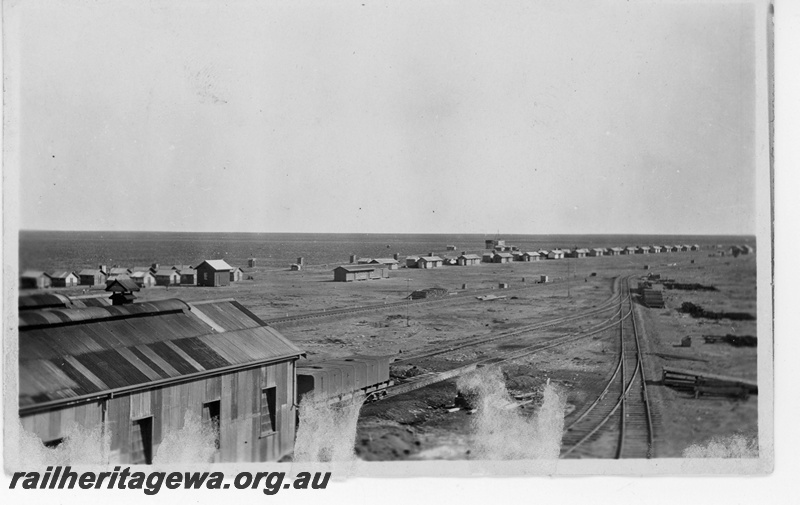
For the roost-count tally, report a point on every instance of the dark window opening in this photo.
(211, 417)
(142, 441)
(268, 407)
(52, 444)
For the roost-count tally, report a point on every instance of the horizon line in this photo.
(386, 233)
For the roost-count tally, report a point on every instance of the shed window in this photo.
(142, 441)
(211, 417)
(52, 444)
(268, 411)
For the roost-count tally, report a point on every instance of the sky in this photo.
(386, 117)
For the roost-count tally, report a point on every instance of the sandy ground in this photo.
(418, 425)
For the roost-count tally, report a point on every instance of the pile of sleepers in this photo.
(428, 293)
(652, 298)
(734, 340)
(703, 383)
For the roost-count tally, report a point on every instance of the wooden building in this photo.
(91, 277)
(188, 275)
(411, 261)
(643, 249)
(143, 279)
(502, 257)
(466, 260)
(116, 271)
(213, 273)
(614, 251)
(167, 277)
(63, 279)
(237, 274)
(349, 273)
(34, 279)
(390, 263)
(138, 369)
(597, 251)
(578, 253)
(531, 256)
(555, 254)
(694, 247)
(655, 249)
(488, 257)
(430, 262)
(629, 250)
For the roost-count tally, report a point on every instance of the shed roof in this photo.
(227, 314)
(119, 271)
(32, 274)
(217, 265)
(72, 353)
(164, 272)
(90, 271)
(141, 275)
(470, 256)
(121, 284)
(504, 255)
(61, 274)
(385, 261)
(431, 258)
(45, 300)
(357, 268)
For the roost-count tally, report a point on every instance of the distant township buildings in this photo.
(215, 272)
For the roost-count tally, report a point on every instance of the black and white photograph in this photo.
(292, 243)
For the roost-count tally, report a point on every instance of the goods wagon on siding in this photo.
(338, 380)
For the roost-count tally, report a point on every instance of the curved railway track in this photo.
(462, 344)
(619, 423)
(348, 311)
(525, 349)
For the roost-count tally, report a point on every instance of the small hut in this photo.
(237, 274)
(33, 279)
(63, 279)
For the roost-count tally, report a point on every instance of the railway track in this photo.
(619, 423)
(465, 343)
(424, 380)
(348, 311)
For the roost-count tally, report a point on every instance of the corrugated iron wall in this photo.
(239, 394)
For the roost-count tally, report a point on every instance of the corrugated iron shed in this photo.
(81, 353)
(43, 301)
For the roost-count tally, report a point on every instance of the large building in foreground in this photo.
(140, 367)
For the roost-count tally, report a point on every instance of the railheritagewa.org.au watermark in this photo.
(151, 482)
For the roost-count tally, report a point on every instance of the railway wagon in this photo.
(337, 380)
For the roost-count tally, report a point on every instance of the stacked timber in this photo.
(652, 298)
(703, 383)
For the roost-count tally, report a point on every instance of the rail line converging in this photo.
(619, 423)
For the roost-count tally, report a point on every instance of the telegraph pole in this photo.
(408, 299)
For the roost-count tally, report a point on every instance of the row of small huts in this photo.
(378, 268)
(207, 273)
